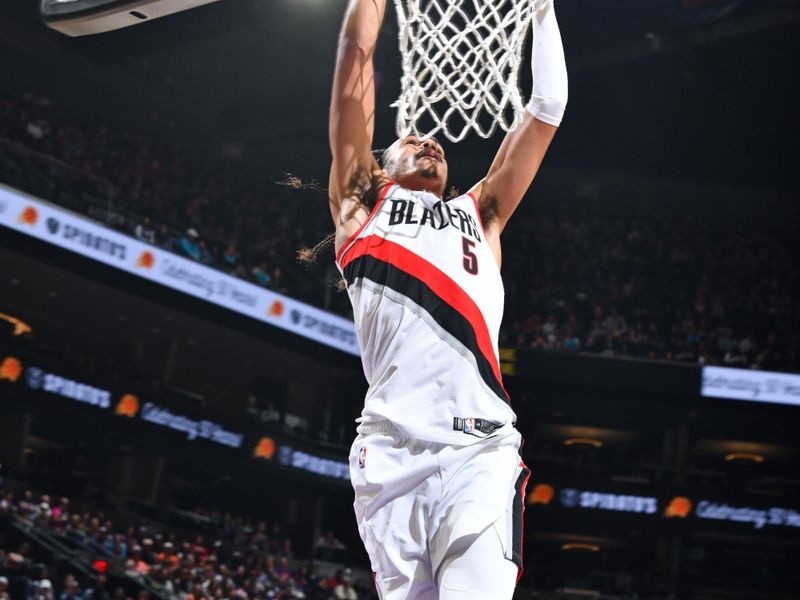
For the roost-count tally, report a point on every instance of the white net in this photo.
(461, 61)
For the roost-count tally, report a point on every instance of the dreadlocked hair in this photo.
(360, 181)
(295, 183)
(305, 254)
(308, 255)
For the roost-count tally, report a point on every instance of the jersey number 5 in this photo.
(470, 260)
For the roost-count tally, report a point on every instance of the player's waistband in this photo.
(386, 427)
(479, 428)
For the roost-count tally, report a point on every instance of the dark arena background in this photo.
(177, 392)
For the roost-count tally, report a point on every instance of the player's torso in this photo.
(427, 301)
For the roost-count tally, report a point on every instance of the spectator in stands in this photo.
(147, 551)
(344, 589)
(145, 231)
(17, 571)
(59, 516)
(278, 282)
(37, 128)
(261, 274)
(271, 416)
(4, 588)
(328, 547)
(167, 557)
(6, 503)
(116, 546)
(252, 409)
(131, 571)
(164, 238)
(206, 254)
(28, 507)
(139, 565)
(72, 590)
(189, 245)
(230, 258)
(43, 590)
(24, 556)
(98, 591)
(333, 581)
(571, 341)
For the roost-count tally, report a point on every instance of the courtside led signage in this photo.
(572, 498)
(128, 406)
(40, 380)
(678, 508)
(194, 429)
(62, 228)
(755, 386)
(265, 448)
(310, 463)
(541, 493)
(758, 517)
(10, 369)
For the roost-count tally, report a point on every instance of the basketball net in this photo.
(461, 61)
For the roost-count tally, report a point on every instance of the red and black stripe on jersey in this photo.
(518, 517)
(389, 264)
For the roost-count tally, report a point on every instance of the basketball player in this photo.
(439, 484)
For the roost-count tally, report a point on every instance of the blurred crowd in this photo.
(236, 558)
(631, 284)
(590, 279)
(223, 214)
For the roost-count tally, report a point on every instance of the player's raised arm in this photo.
(352, 113)
(523, 149)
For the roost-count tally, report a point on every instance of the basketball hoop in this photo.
(461, 63)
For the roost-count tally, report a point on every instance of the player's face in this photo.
(418, 163)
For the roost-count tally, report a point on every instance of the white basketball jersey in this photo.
(427, 303)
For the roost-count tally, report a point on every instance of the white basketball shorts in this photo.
(421, 506)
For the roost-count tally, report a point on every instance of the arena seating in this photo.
(52, 549)
(593, 280)
(55, 549)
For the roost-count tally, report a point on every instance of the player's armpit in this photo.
(351, 181)
(513, 169)
(358, 203)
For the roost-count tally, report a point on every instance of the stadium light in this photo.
(580, 546)
(748, 456)
(583, 442)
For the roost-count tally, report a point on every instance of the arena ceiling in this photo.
(700, 89)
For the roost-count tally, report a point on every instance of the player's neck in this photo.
(419, 183)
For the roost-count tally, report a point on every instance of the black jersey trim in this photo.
(418, 292)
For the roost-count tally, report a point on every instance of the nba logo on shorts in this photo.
(469, 425)
(362, 458)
